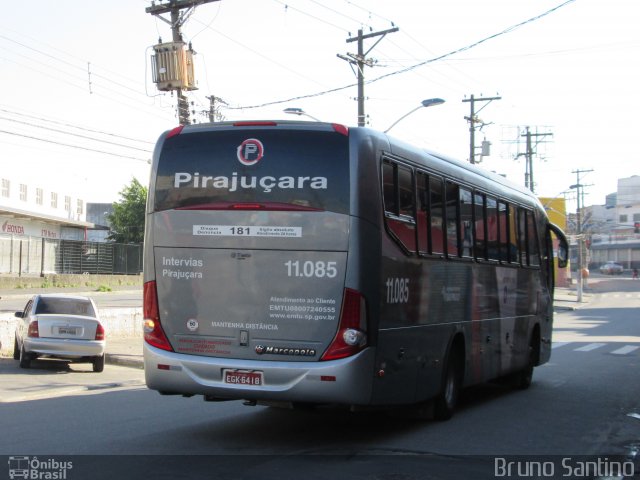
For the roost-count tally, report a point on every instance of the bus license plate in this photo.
(241, 377)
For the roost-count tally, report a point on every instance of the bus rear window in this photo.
(211, 169)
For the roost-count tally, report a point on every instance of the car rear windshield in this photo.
(272, 167)
(65, 306)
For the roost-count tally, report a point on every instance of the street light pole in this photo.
(300, 112)
(430, 102)
(580, 204)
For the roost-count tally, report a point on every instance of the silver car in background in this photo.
(60, 326)
(612, 268)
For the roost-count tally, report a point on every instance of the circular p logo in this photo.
(250, 151)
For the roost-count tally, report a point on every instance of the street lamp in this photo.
(300, 112)
(430, 102)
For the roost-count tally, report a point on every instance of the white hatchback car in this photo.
(60, 326)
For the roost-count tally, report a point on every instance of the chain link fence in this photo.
(26, 255)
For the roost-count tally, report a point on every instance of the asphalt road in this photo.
(586, 401)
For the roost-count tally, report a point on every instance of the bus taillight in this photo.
(153, 333)
(352, 331)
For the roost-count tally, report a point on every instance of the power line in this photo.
(413, 67)
(86, 137)
(72, 146)
(84, 85)
(287, 7)
(259, 54)
(66, 124)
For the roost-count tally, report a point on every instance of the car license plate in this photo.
(242, 377)
(68, 330)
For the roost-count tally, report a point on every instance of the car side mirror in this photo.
(19, 314)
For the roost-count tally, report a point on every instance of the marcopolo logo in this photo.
(250, 151)
(35, 468)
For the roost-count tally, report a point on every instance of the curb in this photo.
(130, 361)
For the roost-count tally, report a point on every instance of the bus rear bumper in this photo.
(347, 381)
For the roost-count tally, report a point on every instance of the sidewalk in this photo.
(125, 352)
(565, 299)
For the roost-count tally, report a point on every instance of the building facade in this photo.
(613, 230)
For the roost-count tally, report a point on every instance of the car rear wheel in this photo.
(25, 358)
(98, 364)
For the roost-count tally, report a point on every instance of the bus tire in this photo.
(447, 400)
(522, 380)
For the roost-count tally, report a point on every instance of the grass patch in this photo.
(104, 288)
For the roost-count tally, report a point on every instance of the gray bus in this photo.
(311, 263)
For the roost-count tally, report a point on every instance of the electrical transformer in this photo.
(172, 67)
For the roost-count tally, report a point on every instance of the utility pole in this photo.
(360, 60)
(579, 237)
(214, 114)
(176, 20)
(528, 174)
(472, 119)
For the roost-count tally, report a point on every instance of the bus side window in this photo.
(437, 215)
(466, 222)
(514, 246)
(399, 203)
(422, 213)
(453, 242)
(503, 231)
(522, 236)
(389, 190)
(532, 241)
(493, 238)
(480, 226)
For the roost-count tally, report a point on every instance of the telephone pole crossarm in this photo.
(175, 4)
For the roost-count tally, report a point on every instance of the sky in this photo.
(79, 107)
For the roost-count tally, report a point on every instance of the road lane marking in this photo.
(625, 350)
(559, 344)
(588, 348)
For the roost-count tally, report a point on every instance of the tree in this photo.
(127, 219)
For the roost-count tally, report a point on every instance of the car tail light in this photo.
(340, 129)
(99, 332)
(153, 333)
(33, 330)
(176, 131)
(352, 330)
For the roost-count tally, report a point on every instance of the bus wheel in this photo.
(522, 379)
(447, 399)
